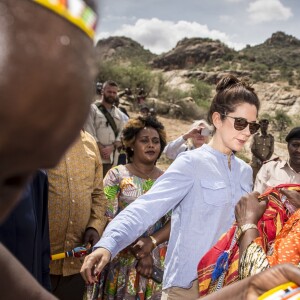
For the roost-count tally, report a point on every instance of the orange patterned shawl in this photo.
(225, 253)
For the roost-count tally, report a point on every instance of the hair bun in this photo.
(229, 80)
(226, 81)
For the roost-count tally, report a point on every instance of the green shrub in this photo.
(201, 93)
(133, 76)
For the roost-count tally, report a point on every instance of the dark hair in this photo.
(109, 83)
(135, 125)
(230, 92)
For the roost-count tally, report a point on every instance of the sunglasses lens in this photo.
(240, 123)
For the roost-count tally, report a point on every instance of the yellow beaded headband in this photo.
(75, 11)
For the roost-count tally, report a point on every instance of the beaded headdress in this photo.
(75, 11)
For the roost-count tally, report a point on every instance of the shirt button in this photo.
(68, 158)
(68, 242)
(71, 222)
(72, 262)
(71, 178)
(73, 200)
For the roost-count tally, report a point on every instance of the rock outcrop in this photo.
(192, 52)
(122, 49)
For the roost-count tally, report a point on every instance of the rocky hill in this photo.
(279, 51)
(122, 49)
(273, 66)
(276, 59)
(189, 53)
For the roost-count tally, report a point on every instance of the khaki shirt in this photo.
(263, 145)
(99, 128)
(274, 173)
(76, 201)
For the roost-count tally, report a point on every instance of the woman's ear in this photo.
(216, 119)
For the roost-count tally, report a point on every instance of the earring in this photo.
(132, 149)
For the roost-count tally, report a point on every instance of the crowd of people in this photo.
(76, 223)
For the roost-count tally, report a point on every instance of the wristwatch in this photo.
(242, 229)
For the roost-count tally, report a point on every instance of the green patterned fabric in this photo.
(120, 279)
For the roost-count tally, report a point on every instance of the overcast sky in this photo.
(159, 24)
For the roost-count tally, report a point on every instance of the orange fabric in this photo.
(269, 227)
(286, 248)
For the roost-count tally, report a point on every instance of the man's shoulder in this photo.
(117, 111)
(96, 105)
(88, 139)
(273, 164)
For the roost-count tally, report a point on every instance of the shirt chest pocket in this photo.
(215, 193)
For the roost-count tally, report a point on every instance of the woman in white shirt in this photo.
(194, 138)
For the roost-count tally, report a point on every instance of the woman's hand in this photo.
(93, 264)
(248, 210)
(142, 248)
(144, 266)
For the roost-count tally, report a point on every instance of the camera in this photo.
(205, 132)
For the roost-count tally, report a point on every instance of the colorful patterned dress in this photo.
(122, 281)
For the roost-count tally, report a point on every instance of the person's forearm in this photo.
(246, 239)
(146, 210)
(163, 234)
(173, 148)
(269, 155)
(236, 291)
(98, 219)
(257, 155)
(17, 282)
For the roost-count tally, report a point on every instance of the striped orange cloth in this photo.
(224, 255)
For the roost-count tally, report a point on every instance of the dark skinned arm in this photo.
(248, 211)
(257, 155)
(144, 246)
(17, 282)
(253, 287)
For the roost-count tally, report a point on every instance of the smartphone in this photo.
(157, 274)
(205, 131)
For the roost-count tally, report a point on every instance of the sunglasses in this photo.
(242, 123)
